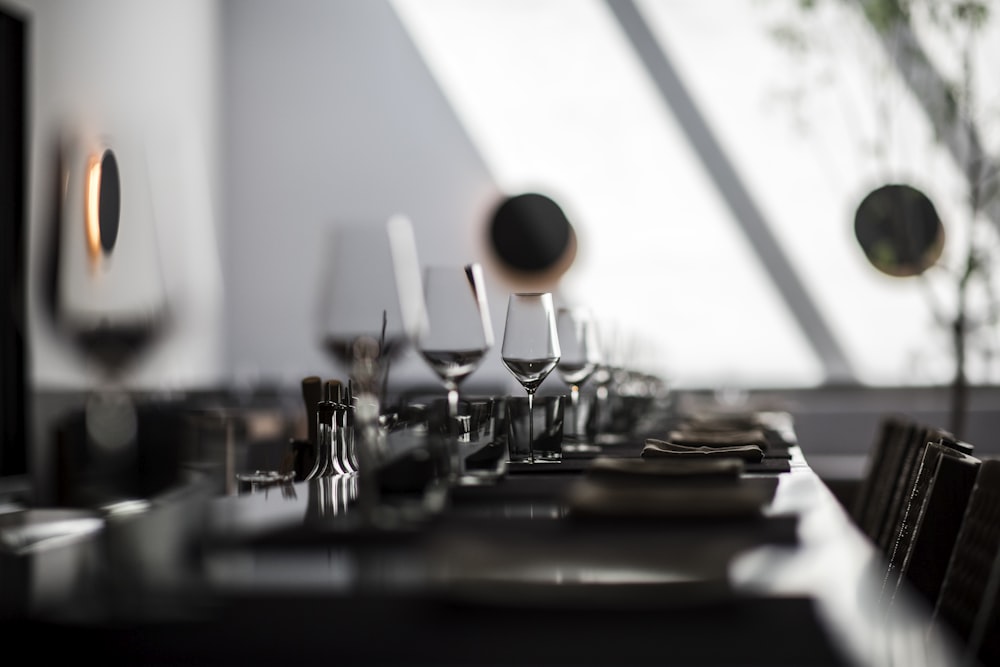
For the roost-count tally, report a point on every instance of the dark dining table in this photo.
(520, 570)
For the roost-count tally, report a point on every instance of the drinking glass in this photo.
(603, 379)
(530, 349)
(456, 335)
(577, 363)
(370, 308)
(110, 297)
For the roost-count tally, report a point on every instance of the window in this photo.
(558, 99)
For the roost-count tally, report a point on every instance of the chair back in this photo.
(903, 481)
(984, 639)
(870, 499)
(892, 470)
(967, 599)
(931, 520)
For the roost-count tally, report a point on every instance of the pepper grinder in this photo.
(343, 442)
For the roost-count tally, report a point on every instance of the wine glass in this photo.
(530, 349)
(577, 363)
(367, 294)
(109, 296)
(603, 378)
(370, 308)
(457, 332)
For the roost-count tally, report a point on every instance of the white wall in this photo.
(264, 124)
(145, 71)
(332, 117)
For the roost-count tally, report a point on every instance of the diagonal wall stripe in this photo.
(836, 365)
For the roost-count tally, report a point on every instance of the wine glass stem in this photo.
(453, 403)
(456, 459)
(531, 427)
(574, 399)
(368, 428)
(601, 406)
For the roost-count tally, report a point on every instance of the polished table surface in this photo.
(502, 574)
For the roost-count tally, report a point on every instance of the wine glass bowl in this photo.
(530, 349)
(368, 316)
(453, 366)
(578, 362)
(531, 372)
(457, 332)
(455, 336)
(361, 321)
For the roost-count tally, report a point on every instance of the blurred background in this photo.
(711, 161)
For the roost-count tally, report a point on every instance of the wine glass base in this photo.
(477, 480)
(581, 448)
(435, 498)
(535, 461)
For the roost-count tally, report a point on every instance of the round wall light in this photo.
(899, 230)
(102, 204)
(532, 238)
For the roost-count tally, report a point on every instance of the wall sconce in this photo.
(102, 204)
(532, 240)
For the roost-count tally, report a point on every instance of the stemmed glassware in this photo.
(109, 295)
(370, 309)
(603, 377)
(456, 335)
(579, 359)
(530, 349)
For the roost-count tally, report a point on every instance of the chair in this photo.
(967, 603)
(902, 483)
(892, 472)
(908, 526)
(984, 639)
(892, 430)
(930, 521)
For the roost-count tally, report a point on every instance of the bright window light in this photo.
(812, 133)
(556, 100)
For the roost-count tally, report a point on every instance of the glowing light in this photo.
(92, 214)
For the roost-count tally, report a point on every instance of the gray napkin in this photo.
(722, 421)
(668, 449)
(718, 437)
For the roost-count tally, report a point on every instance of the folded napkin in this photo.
(726, 421)
(713, 426)
(654, 448)
(725, 438)
(671, 468)
(777, 421)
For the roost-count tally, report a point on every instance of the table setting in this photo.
(514, 474)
